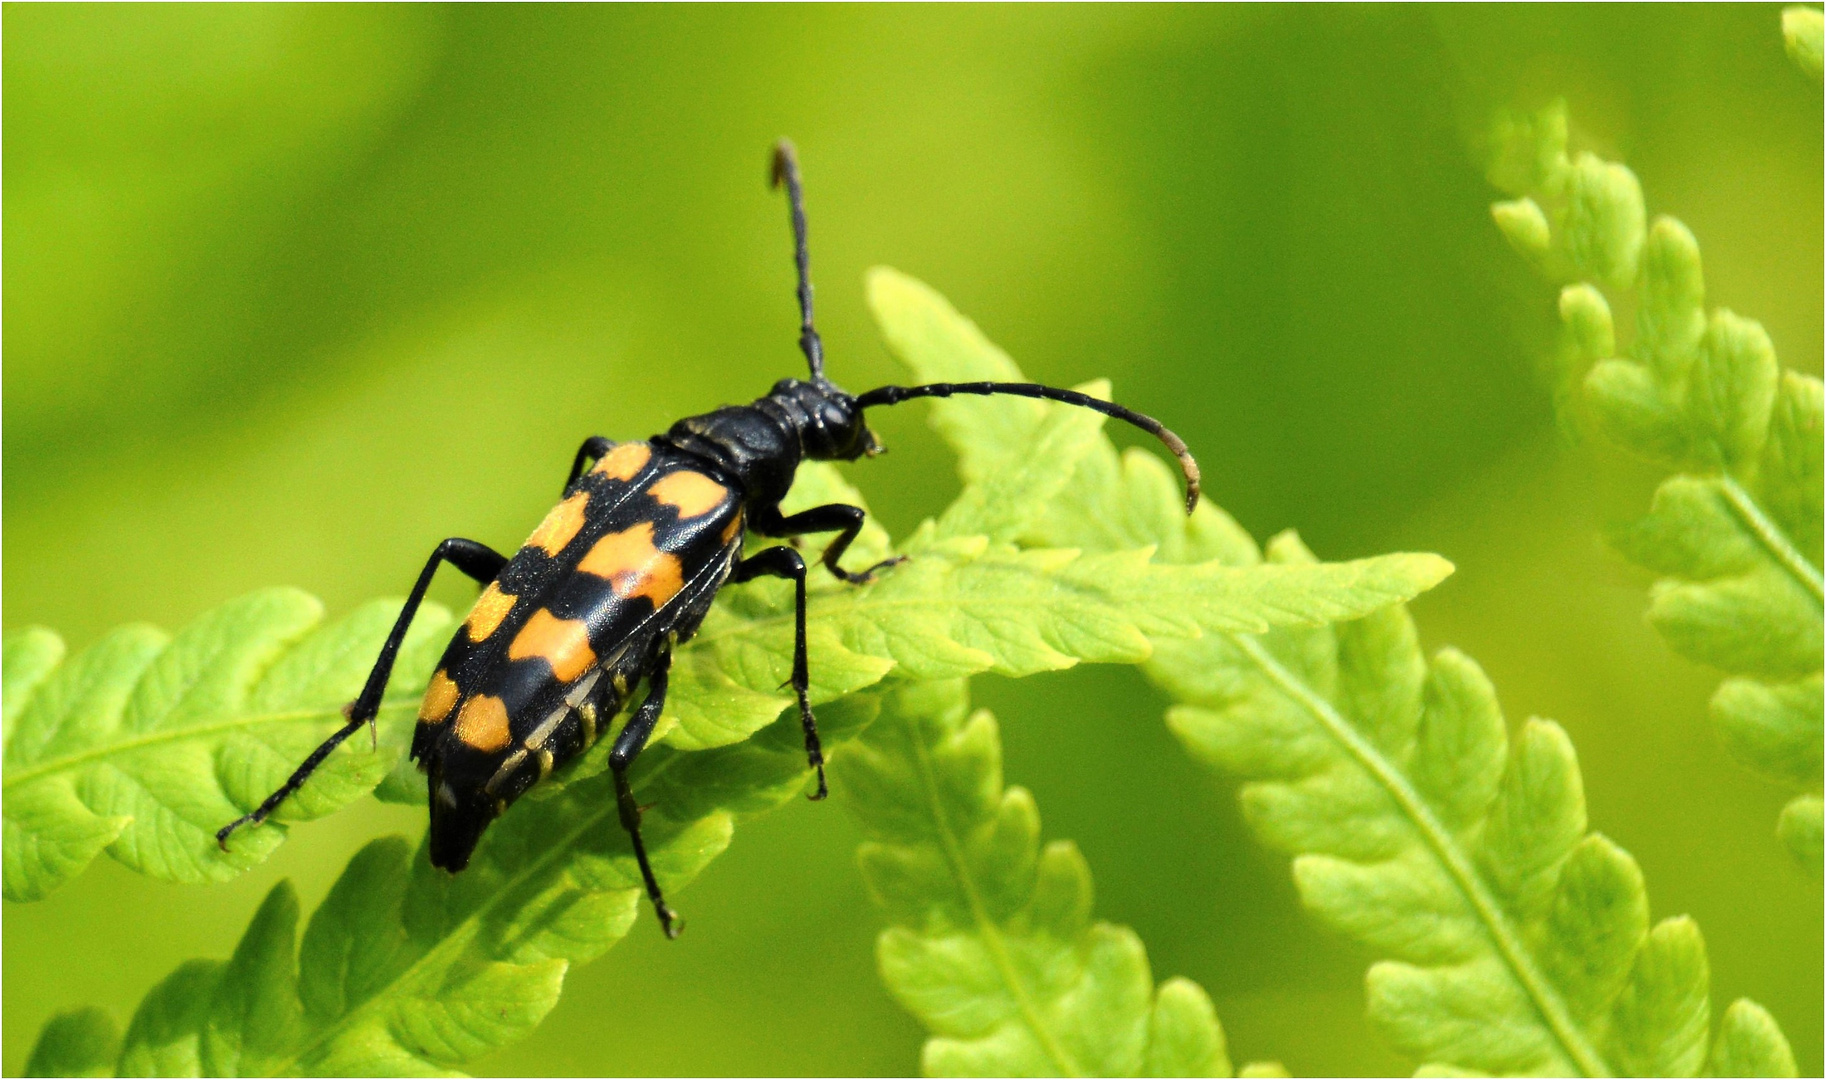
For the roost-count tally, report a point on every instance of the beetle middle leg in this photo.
(628, 745)
(785, 562)
(592, 449)
(842, 518)
(475, 559)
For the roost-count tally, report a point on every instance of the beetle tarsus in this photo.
(228, 830)
(865, 577)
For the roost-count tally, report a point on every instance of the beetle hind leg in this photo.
(480, 562)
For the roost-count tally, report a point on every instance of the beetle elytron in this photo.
(623, 570)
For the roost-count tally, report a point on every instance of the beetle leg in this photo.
(785, 562)
(593, 447)
(842, 518)
(628, 745)
(480, 562)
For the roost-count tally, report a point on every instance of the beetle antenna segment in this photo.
(786, 168)
(894, 395)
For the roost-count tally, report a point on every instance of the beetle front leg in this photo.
(842, 518)
(785, 562)
(477, 560)
(628, 745)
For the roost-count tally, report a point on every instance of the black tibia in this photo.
(844, 519)
(628, 745)
(785, 562)
(480, 562)
(593, 448)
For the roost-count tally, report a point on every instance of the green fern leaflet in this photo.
(1737, 533)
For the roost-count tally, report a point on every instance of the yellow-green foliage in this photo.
(1514, 940)
(1737, 531)
(404, 969)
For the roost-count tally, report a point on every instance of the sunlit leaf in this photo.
(144, 745)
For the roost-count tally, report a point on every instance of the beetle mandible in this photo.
(622, 571)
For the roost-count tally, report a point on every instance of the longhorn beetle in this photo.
(622, 571)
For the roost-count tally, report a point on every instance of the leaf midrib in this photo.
(991, 933)
(1457, 863)
(155, 738)
(1113, 602)
(784, 618)
(1772, 538)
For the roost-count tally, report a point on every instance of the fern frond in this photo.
(407, 970)
(965, 604)
(1737, 532)
(994, 948)
(144, 744)
(1517, 941)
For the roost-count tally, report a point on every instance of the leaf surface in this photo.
(407, 970)
(144, 745)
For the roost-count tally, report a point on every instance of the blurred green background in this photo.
(291, 293)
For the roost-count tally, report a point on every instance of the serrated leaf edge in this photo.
(459, 936)
(1457, 863)
(985, 925)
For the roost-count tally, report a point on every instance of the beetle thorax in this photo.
(760, 445)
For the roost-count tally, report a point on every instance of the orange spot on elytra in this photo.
(562, 643)
(733, 529)
(634, 567)
(482, 723)
(439, 697)
(692, 492)
(561, 525)
(624, 461)
(491, 607)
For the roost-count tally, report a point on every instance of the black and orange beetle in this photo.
(623, 570)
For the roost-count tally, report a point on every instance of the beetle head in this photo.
(830, 422)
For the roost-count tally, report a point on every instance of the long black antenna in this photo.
(894, 395)
(786, 167)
